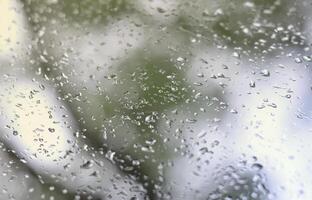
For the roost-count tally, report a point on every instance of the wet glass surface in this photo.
(155, 99)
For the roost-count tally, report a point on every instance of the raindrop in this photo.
(15, 133)
(190, 120)
(265, 72)
(256, 166)
(307, 58)
(233, 111)
(51, 130)
(149, 119)
(252, 84)
(161, 10)
(87, 165)
(236, 55)
(298, 60)
(180, 59)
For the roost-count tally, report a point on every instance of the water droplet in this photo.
(307, 58)
(110, 155)
(236, 55)
(273, 105)
(15, 133)
(200, 75)
(135, 162)
(41, 86)
(298, 60)
(161, 10)
(190, 120)
(220, 75)
(180, 59)
(265, 72)
(219, 11)
(256, 166)
(202, 134)
(233, 111)
(252, 84)
(149, 119)
(87, 165)
(51, 130)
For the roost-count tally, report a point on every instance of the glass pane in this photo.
(158, 99)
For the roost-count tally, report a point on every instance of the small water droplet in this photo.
(51, 130)
(233, 111)
(180, 59)
(236, 55)
(15, 133)
(202, 134)
(219, 11)
(273, 105)
(87, 165)
(213, 76)
(256, 166)
(110, 155)
(200, 75)
(190, 120)
(42, 87)
(161, 10)
(135, 162)
(298, 60)
(220, 75)
(149, 119)
(307, 58)
(265, 72)
(252, 84)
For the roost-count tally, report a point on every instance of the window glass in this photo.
(155, 99)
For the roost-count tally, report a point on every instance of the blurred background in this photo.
(155, 99)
